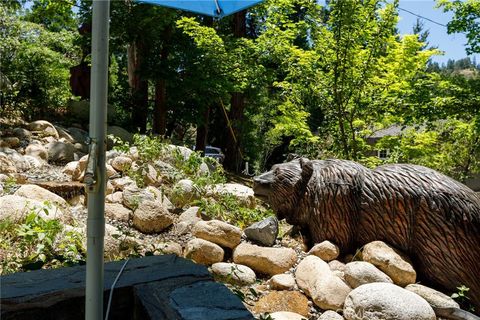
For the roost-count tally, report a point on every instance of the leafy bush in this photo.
(228, 208)
(35, 243)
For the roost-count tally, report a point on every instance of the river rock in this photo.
(281, 282)
(361, 272)
(169, 248)
(151, 216)
(6, 165)
(275, 301)
(116, 197)
(233, 273)
(264, 260)
(122, 183)
(243, 193)
(218, 232)
(160, 196)
(45, 128)
(122, 163)
(379, 301)
(318, 281)
(286, 315)
(184, 192)
(203, 252)
(390, 261)
(118, 212)
(35, 192)
(435, 298)
(264, 232)
(134, 196)
(326, 251)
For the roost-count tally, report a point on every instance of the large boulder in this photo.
(380, 301)
(20, 163)
(218, 232)
(204, 252)
(317, 280)
(390, 261)
(184, 192)
(60, 152)
(243, 193)
(80, 110)
(134, 196)
(43, 128)
(22, 134)
(361, 272)
(151, 216)
(120, 133)
(117, 212)
(31, 191)
(269, 261)
(15, 208)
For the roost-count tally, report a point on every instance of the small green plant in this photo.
(229, 209)
(36, 242)
(9, 185)
(463, 299)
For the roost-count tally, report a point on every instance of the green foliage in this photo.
(35, 242)
(36, 63)
(466, 19)
(463, 299)
(10, 185)
(229, 209)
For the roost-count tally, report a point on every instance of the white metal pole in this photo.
(97, 181)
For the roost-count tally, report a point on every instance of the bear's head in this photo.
(284, 186)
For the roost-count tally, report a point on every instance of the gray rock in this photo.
(60, 152)
(264, 232)
(379, 301)
(22, 133)
(435, 298)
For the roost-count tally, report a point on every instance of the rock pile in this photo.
(284, 281)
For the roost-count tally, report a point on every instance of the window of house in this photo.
(383, 154)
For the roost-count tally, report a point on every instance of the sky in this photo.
(453, 45)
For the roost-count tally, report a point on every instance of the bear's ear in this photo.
(307, 168)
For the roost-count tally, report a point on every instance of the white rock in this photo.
(35, 192)
(233, 273)
(203, 252)
(330, 315)
(390, 262)
(159, 196)
(361, 272)
(16, 207)
(435, 298)
(38, 151)
(218, 232)
(264, 260)
(281, 282)
(169, 248)
(184, 192)
(150, 176)
(243, 193)
(379, 301)
(133, 196)
(326, 251)
(151, 217)
(122, 183)
(318, 281)
(286, 315)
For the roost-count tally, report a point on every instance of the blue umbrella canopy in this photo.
(214, 8)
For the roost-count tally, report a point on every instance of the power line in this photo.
(422, 17)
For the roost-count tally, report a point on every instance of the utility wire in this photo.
(428, 19)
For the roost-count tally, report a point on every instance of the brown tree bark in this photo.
(202, 132)
(233, 156)
(138, 85)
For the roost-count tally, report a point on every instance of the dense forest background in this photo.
(288, 76)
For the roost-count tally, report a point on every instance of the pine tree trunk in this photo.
(160, 109)
(138, 86)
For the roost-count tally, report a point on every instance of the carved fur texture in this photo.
(429, 216)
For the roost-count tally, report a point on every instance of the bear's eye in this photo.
(276, 171)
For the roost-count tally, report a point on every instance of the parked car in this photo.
(214, 152)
